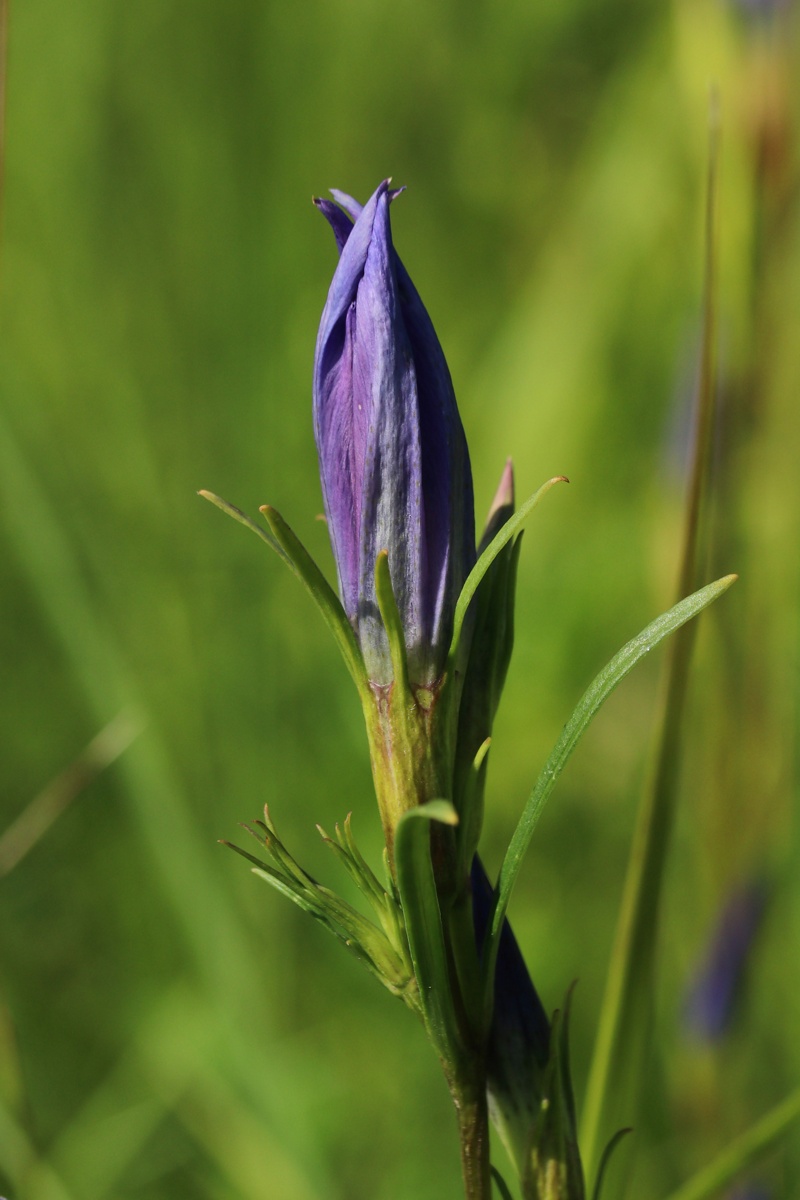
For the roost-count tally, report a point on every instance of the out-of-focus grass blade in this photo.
(742, 1153)
(20, 1162)
(173, 1061)
(96, 1156)
(602, 687)
(624, 1027)
(176, 1053)
(3, 70)
(35, 820)
(100, 669)
(190, 881)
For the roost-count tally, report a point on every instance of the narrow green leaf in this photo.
(417, 886)
(321, 593)
(278, 852)
(243, 519)
(360, 936)
(356, 867)
(602, 687)
(368, 874)
(306, 903)
(345, 859)
(472, 809)
(293, 892)
(288, 546)
(491, 552)
(742, 1153)
(290, 886)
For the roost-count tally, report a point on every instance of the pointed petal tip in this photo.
(505, 489)
(346, 201)
(502, 505)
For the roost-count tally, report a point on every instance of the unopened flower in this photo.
(393, 457)
(519, 1039)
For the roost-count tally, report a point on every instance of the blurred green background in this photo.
(171, 1029)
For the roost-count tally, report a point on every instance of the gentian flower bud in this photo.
(518, 1047)
(393, 457)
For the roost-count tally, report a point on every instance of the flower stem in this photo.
(473, 1130)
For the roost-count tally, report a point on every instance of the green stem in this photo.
(473, 1131)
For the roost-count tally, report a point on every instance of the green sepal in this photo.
(471, 820)
(473, 580)
(589, 704)
(383, 902)
(553, 1167)
(500, 1184)
(418, 896)
(605, 1159)
(384, 957)
(392, 622)
(490, 645)
(322, 594)
(345, 849)
(489, 656)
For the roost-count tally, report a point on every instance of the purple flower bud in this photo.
(519, 1039)
(393, 457)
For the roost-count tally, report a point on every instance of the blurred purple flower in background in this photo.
(761, 10)
(393, 457)
(713, 992)
(751, 1191)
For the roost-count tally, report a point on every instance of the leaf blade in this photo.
(589, 704)
(236, 513)
(420, 901)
